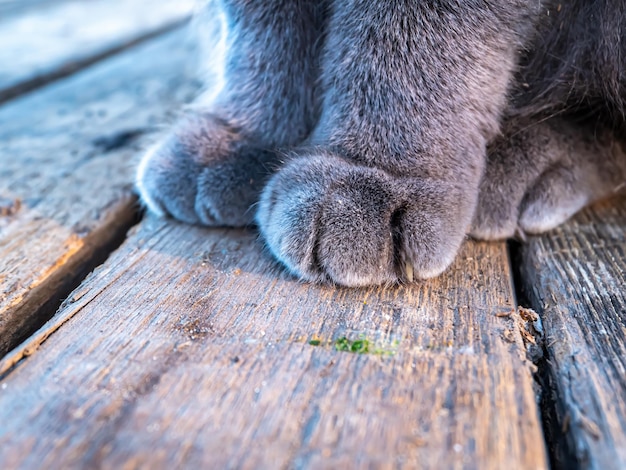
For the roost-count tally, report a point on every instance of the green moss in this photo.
(361, 345)
(365, 346)
(358, 346)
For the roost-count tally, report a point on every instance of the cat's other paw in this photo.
(546, 202)
(330, 220)
(204, 172)
(539, 176)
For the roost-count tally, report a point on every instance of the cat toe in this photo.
(166, 182)
(319, 226)
(552, 200)
(493, 220)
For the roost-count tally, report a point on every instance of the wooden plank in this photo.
(191, 348)
(14, 7)
(66, 175)
(576, 276)
(56, 39)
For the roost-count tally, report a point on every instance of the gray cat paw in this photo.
(545, 204)
(204, 173)
(328, 220)
(540, 176)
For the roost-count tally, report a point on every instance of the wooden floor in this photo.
(143, 343)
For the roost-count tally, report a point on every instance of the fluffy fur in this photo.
(377, 135)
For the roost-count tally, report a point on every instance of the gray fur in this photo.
(376, 135)
(213, 165)
(540, 174)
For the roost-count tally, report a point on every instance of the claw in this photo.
(408, 269)
(520, 234)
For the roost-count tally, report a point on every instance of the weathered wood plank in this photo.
(190, 348)
(66, 174)
(14, 7)
(576, 276)
(58, 38)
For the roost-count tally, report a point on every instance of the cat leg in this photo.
(539, 175)
(387, 189)
(262, 66)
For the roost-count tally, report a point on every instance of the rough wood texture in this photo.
(191, 348)
(58, 38)
(576, 275)
(66, 174)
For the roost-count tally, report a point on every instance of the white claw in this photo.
(408, 269)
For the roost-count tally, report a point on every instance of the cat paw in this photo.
(328, 220)
(547, 202)
(541, 175)
(204, 173)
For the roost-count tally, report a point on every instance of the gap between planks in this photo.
(62, 37)
(576, 277)
(42, 301)
(82, 135)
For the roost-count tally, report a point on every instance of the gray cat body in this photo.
(366, 139)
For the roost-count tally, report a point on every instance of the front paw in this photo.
(329, 220)
(205, 172)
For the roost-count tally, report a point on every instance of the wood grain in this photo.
(67, 157)
(576, 276)
(58, 38)
(191, 348)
